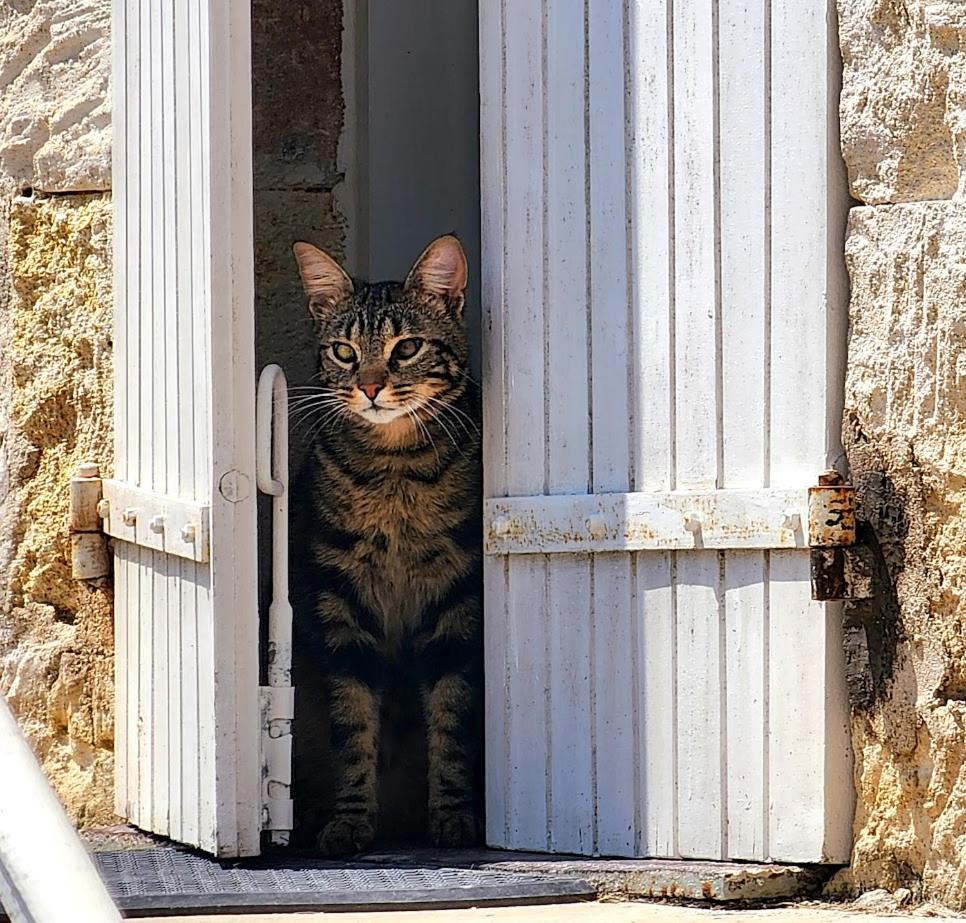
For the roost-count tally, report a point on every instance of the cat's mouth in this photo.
(387, 407)
(379, 414)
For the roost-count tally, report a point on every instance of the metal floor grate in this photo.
(168, 879)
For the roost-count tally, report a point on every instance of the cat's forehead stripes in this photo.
(379, 312)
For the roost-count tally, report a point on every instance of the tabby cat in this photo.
(396, 531)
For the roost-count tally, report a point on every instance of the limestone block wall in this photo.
(55, 383)
(903, 113)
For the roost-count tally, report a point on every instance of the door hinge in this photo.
(840, 569)
(89, 560)
(278, 712)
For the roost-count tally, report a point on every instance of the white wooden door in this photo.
(186, 626)
(663, 214)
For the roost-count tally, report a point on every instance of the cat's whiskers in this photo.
(460, 416)
(424, 430)
(327, 420)
(422, 405)
(307, 411)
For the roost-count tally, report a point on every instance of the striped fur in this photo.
(396, 531)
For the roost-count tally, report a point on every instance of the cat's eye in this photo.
(406, 349)
(343, 352)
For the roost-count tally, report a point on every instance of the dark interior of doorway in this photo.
(366, 143)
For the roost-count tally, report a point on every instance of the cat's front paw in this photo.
(455, 829)
(345, 836)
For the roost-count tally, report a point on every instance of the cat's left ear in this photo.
(441, 271)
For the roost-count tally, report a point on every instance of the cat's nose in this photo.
(371, 388)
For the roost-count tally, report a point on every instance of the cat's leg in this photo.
(354, 663)
(452, 727)
(355, 738)
(449, 656)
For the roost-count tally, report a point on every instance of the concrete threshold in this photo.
(629, 879)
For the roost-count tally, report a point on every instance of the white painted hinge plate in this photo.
(152, 520)
(670, 520)
(278, 712)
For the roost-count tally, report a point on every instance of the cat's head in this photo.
(390, 350)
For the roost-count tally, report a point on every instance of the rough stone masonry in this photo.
(56, 667)
(903, 113)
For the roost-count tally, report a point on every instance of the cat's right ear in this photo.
(324, 280)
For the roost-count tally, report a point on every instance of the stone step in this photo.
(676, 879)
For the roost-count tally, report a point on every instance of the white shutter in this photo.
(185, 606)
(663, 210)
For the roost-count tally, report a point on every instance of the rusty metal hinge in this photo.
(88, 544)
(840, 569)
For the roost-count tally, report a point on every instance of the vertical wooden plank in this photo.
(496, 719)
(143, 612)
(652, 243)
(175, 681)
(745, 704)
(231, 366)
(607, 226)
(143, 369)
(808, 797)
(156, 346)
(650, 96)
(185, 207)
(571, 758)
(612, 411)
(526, 435)
(743, 244)
(183, 743)
(120, 184)
(158, 716)
(190, 717)
(527, 643)
(743, 221)
(615, 704)
(131, 459)
(231, 340)
(200, 781)
(694, 232)
(699, 681)
(136, 782)
(797, 720)
(800, 243)
(120, 181)
(241, 395)
(209, 785)
(198, 96)
(571, 820)
(122, 656)
(146, 367)
(657, 653)
(492, 182)
(168, 205)
(699, 707)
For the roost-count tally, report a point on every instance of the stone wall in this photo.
(903, 118)
(55, 383)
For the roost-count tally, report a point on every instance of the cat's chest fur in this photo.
(404, 555)
(396, 525)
